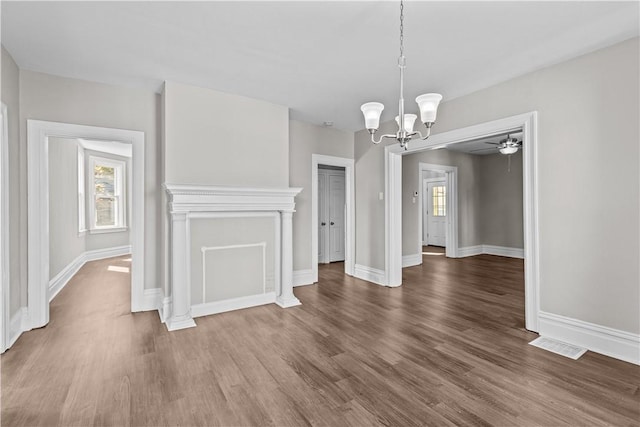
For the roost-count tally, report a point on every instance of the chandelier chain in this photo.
(401, 28)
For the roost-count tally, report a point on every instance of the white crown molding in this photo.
(210, 198)
(611, 342)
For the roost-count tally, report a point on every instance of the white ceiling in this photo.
(111, 147)
(321, 59)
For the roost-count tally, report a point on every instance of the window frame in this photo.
(119, 190)
(82, 198)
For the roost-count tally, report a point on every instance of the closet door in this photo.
(323, 227)
(336, 217)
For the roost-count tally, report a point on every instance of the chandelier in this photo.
(427, 103)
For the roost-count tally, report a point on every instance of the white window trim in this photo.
(120, 168)
(82, 198)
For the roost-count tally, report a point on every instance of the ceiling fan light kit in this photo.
(509, 150)
(427, 104)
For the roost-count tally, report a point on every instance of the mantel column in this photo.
(285, 297)
(180, 286)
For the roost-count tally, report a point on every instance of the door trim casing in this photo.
(393, 206)
(5, 253)
(38, 133)
(350, 236)
(451, 182)
(329, 174)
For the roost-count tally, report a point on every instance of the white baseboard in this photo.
(302, 277)
(600, 339)
(165, 311)
(97, 254)
(152, 299)
(369, 274)
(61, 279)
(503, 251)
(411, 260)
(208, 308)
(490, 250)
(19, 324)
(469, 251)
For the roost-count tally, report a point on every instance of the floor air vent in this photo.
(559, 347)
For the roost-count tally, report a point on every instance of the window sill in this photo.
(108, 230)
(82, 233)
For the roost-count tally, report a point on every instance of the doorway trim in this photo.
(5, 253)
(350, 236)
(38, 133)
(393, 206)
(451, 202)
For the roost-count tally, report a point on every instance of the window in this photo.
(106, 187)
(439, 200)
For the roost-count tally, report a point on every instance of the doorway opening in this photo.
(39, 134)
(527, 123)
(90, 204)
(333, 168)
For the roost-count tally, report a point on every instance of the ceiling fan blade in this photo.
(492, 143)
(482, 149)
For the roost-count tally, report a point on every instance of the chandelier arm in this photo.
(373, 139)
(423, 137)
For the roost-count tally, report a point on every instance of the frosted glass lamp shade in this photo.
(510, 149)
(428, 104)
(372, 112)
(409, 120)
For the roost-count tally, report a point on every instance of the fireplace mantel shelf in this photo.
(211, 198)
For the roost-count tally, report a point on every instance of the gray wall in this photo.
(65, 244)
(59, 99)
(501, 200)
(369, 161)
(10, 94)
(227, 275)
(306, 139)
(588, 251)
(217, 138)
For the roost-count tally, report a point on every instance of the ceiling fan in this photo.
(508, 145)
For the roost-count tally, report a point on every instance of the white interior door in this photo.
(336, 217)
(435, 216)
(323, 227)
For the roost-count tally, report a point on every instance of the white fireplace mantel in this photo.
(187, 200)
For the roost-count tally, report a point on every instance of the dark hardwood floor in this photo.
(447, 348)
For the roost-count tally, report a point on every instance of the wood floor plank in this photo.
(447, 348)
